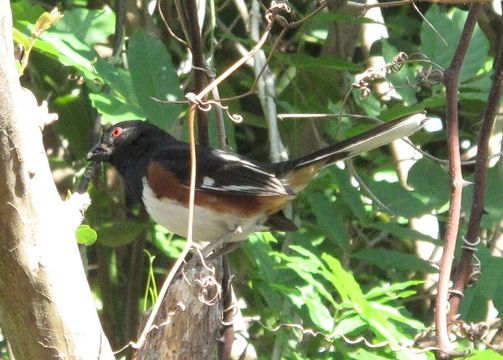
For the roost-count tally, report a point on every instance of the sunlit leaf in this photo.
(394, 260)
(329, 219)
(449, 27)
(154, 78)
(86, 235)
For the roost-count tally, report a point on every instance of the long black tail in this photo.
(297, 173)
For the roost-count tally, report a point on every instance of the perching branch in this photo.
(451, 80)
(464, 268)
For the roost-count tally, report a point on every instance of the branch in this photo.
(266, 89)
(48, 310)
(187, 13)
(477, 211)
(270, 17)
(451, 79)
(188, 322)
(389, 4)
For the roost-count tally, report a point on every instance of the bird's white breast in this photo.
(209, 225)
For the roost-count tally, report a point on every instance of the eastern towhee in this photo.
(235, 195)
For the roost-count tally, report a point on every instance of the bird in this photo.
(234, 195)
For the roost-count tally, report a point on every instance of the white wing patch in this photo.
(245, 163)
(207, 181)
(240, 176)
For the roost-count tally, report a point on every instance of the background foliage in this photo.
(354, 268)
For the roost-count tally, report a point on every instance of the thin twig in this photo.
(219, 120)
(416, 9)
(388, 4)
(266, 89)
(464, 267)
(227, 331)
(188, 15)
(171, 32)
(286, 27)
(120, 18)
(243, 59)
(451, 77)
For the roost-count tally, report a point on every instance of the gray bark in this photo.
(46, 307)
(188, 323)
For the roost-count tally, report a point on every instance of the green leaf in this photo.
(88, 26)
(121, 102)
(258, 249)
(306, 268)
(329, 219)
(154, 76)
(348, 193)
(344, 282)
(114, 108)
(394, 260)
(363, 354)
(450, 27)
(119, 233)
(303, 62)
(25, 13)
(71, 38)
(498, 299)
(400, 78)
(86, 235)
(379, 323)
(119, 80)
(474, 305)
(493, 198)
(486, 355)
(169, 244)
(318, 312)
(75, 122)
(391, 312)
(400, 110)
(404, 232)
(430, 181)
(391, 291)
(397, 199)
(21, 38)
(348, 325)
(78, 54)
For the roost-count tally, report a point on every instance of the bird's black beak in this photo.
(100, 152)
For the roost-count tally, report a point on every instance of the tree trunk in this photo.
(189, 320)
(46, 307)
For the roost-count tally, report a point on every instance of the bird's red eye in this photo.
(116, 132)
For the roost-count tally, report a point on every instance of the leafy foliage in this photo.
(352, 272)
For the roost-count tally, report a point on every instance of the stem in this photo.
(451, 78)
(238, 63)
(477, 210)
(194, 36)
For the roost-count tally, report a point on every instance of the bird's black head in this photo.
(126, 139)
(128, 146)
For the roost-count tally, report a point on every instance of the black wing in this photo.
(221, 171)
